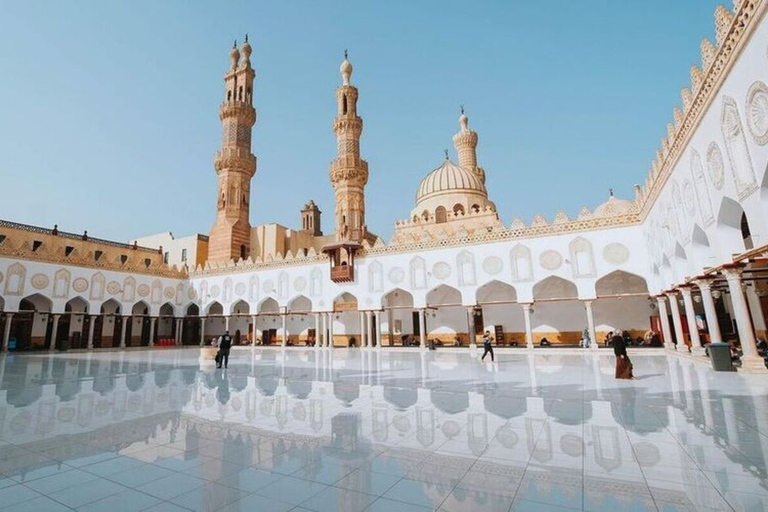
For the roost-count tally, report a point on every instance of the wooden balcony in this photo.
(343, 274)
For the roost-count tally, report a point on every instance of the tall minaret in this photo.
(235, 164)
(349, 173)
(466, 145)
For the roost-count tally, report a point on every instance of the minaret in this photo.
(466, 146)
(235, 164)
(349, 173)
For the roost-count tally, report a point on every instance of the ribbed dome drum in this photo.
(449, 178)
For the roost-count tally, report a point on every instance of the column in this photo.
(152, 321)
(750, 360)
(324, 329)
(422, 328)
(124, 328)
(756, 310)
(710, 313)
(254, 334)
(179, 330)
(391, 327)
(664, 317)
(202, 332)
(7, 331)
(378, 329)
(591, 325)
(362, 330)
(690, 314)
(368, 323)
(330, 330)
(226, 324)
(471, 327)
(91, 327)
(673, 306)
(54, 332)
(317, 331)
(528, 330)
(284, 341)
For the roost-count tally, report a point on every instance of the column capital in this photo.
(686, 290)
(732, 273)
(527, 306)
(661, 298)
(588, 302)
(672, 294)
(704, 283)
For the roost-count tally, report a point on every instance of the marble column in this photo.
(750, 360)
(391, 327)
(124, 329)
(202, 332)
(330, 330)
(528, 331)
(226, 323)
(179, 330)
(675, 310)
(152, 331)
(284, 341)
(362, 330)
(422, 329)
(471, 327)
(324, 329)
(7, 331)
(664, 319)
(91, 327)
(54, 332)
(690, 314)
(710, 312)
(378, 329)
(317, 331)
(255, 331)
(368, 323)
(591, 325)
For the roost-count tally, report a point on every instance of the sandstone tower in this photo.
(349, 173)
(235, 164)
(466, 146)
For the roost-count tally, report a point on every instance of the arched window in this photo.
(425, 215)
(242, 251)
(476, 208)
(229, 95)
(344, 104)
(458, 209)
(248, 97)
(440, 216)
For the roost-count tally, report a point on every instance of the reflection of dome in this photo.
(449, 178)
(507, 437)
(614, 206)
(572, 445)
(450, 428)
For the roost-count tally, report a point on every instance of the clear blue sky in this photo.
(109, 110)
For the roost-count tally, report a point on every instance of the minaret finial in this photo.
(462, 108)
(234, 45)
(246, 38)
(446, 154)
(610, 192)
(345, 53)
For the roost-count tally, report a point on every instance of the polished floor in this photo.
(352, 430)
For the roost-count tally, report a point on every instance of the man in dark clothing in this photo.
(487, 347)
(224, 346)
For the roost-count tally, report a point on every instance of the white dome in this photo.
(614, 206)
(449, 178)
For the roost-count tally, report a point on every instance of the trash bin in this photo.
(720, 354)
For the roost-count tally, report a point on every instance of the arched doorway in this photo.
(138, 329)
(558, 316)
(299, 323)
(72, 323)
(190, 335)
(499, 313)
(398, 305)
(32, 325)
(106, 333)
(346, 320)
(622, 304)
(239, 322)
(165, 330)
(267, 315)
(445, 319)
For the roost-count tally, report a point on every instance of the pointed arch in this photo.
(61, 280)
(300, 304)
(345, 298)
(268, 305)
(36, 302)
(192, 310)
(418, 270)
(140, 308)
(702, 253)
(521, 264)
(444, 295)
(167, 309)
(98, 283)
(554, 287)
(495, 291)
(110, 307)
(214, 309)
(397, 298)
(240, 307)
(76, 304)
(465, 262)
(730, 218)
(582, 257)
(129, 289)
(16, 279)
(620, 282)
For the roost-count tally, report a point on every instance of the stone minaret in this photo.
(310, 219)
(349, 172)
(466, 146)
(235, 164)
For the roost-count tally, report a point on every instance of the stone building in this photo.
(685, 257)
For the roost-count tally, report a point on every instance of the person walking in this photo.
(623, 364)
(487, 347)
(224, 345)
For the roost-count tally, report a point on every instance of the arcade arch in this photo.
(398, 305)
(558, 316)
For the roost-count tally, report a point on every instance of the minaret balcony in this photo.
(236, 159)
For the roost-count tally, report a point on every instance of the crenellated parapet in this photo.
(732, 31)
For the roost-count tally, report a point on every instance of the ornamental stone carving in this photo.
(169, 292)
(441, 270)
(300, 284)
(240, 289)
(396, 275)
(80, 285)
(113, 288)
(40, 281)
(493, 265)
(616, 253)
(215, 291)
(142, 290)
(757, 112)
(191, 293)
(550, 260)
(268, 286)
(689, 197)
(715, 166)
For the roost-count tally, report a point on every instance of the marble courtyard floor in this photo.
(353, 430)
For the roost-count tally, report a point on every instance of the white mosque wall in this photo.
(720, 175)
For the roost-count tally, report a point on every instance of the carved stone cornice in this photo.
(239, 109)
(235, 159)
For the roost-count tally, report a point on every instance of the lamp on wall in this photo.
(716, 294)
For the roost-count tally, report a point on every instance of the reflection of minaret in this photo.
(349, 172)
(235, 164)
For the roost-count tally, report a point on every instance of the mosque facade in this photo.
(685, 257)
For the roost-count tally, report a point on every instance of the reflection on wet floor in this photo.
(366, 430)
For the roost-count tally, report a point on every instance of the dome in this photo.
(448, 179)
(614, 206)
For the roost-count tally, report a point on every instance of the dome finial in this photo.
(446, 154)
(246, 38)
(610, 192)
(234, 45)
(346, 70)
(463, 120)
